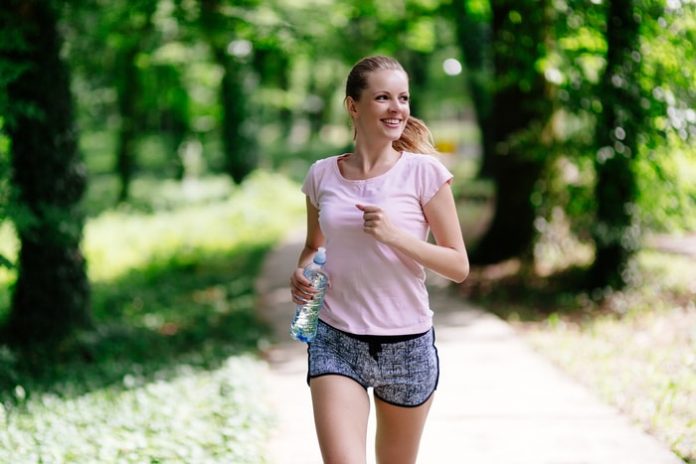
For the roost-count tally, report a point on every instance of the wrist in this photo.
(397, 239)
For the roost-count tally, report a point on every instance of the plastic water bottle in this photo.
(304, 325)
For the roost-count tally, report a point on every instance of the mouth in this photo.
(392, 122)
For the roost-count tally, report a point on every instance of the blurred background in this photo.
(151, 153)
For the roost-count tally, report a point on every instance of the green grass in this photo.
(169, 373)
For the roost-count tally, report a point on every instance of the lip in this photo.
(392, 122)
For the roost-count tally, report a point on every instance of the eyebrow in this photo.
(376, 92)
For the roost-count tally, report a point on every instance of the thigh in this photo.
(399, 431)
(341, 409)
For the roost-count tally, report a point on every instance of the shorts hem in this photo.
(310, 377)
(405, 405)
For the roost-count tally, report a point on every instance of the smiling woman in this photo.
(372, 209)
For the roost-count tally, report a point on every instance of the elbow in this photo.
(462, 272)
(461, 277)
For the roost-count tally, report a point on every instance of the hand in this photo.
(377, 224)
(301, 288)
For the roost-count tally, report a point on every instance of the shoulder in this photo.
(323, 164)
(423, 162)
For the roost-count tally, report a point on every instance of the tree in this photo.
(474, 39)
(137, 24)
(616, 233)
(238, 143)
(51, 295)
(519, 130)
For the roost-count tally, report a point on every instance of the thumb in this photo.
(367, 208)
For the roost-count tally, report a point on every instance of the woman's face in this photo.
(383, 108)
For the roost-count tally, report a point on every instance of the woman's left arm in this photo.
(448, 257)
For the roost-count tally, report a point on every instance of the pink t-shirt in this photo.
(375, 290)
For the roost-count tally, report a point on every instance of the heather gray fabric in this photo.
(402, 370)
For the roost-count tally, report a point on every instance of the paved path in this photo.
(497, 402)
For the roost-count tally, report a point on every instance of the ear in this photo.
(351, 107)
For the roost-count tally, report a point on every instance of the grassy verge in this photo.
(169, 373)
(636, 350)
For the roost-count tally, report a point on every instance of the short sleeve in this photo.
(309, 187)
(432, 176)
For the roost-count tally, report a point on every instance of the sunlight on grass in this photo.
(196, 416)
(117, 242)
(639, 354)
(169, 372)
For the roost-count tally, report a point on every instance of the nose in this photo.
(394, 104)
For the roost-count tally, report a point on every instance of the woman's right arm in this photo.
(300, 287)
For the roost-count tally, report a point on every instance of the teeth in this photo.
(392, 121)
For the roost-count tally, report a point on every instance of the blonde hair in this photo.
(416, 137)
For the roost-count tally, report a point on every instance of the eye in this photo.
(404, 98)
(382, 97)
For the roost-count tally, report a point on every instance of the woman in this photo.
(372, 209)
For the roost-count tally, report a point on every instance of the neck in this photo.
(369, 156)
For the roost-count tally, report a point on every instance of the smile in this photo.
(392, 122)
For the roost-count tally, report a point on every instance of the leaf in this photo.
(4, 262)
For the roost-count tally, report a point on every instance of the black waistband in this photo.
(381, 339)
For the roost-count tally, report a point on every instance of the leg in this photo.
(399, 431)
(341, 409)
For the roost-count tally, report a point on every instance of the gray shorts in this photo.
(403, 370)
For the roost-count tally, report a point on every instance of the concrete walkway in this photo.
(498, 402)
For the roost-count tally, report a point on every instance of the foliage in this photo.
(665, 158)
(115, 242)
(666, 164)
(186, 414)
(5, 188)
(168, 373)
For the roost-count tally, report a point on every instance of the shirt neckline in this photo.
(369, 179)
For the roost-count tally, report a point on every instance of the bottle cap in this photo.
(320, 256)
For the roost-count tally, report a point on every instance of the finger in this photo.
(368, 208)
(304, 291)
(372, 216)
(305, 287)
(300, 279)
(301, 298)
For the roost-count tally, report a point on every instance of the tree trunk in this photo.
(521, 109)
(416, 64)
(240, 148)
(474, 39)
(128, 93)
(616, 234)
(239, 145)
(51, 295)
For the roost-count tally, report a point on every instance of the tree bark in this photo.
(51, 295)
(520, 112)
(616, 234)
(240, 149)
(129, 92)
(474, 39)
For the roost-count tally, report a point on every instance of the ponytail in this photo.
(416, 138)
